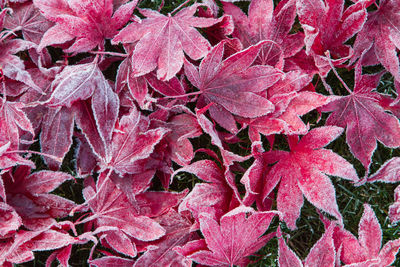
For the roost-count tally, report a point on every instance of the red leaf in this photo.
(13, 118)
(367, 249)
(111, 261)
(76, 82)
(303, 172)
(323, 252)
(131, 142)
(232, 86)
(28, 19)
(225, 240)
(10, 222)
(170, 36)
(111, 207)
(383, 25)
(265, 23)
(364, 119)
(327, 27)
(12, 66)
(28, 195)
(56, 134)
(388, 173)
(178, 234)
(90, 22)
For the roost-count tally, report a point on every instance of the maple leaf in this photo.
(366, 250)
(327, 27)
(364, 119)
(225, 244)
(12, 66)
(183, 127)
(12, 119)
(215, 194)
(111, 207)
(29, 195)
(89, 22)
(9, 159)
(265, 23)
(20, 248)
(28, 19)
(11, 222)
(131, 142)
(81, 82)
(227, 156)
(161, 41)
(388, 173)
(76, 82)
(62, 255)
(321, 254)
(139, 86)
(303, 170)
(379, 37)
(232, 85)
(286, 116)
(177, 234)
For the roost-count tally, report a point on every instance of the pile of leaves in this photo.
(194, 133)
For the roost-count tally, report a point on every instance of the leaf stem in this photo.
(334, 71)
(181, 5)
(10, 32)
(109, 53)
(35, 152)
(189, 94)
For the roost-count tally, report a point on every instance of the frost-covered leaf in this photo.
(366, 122)
(266, 23)
(28, 19)
(111, 207)
(367, 250)
(327, 26)
(226, 243)
(380, 37)
(89, 22)
(161, 41)
(132, 141)
(304, 170)
(232, 85)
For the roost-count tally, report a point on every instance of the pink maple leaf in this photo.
(286, 116)
(303, 171)
(214, 195)
(12, 66)
(28, 19)
(265, 23)
(225, 243)
(364, 118)
(131, 142)
(321, 254)
(88, 22)
(20, 247)
(366, 250)
(161, 41)
(13, 119)
(379, 37)
(327, 26)
(232, 85)
(111, 208)
(178, 233)
(29, 195)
